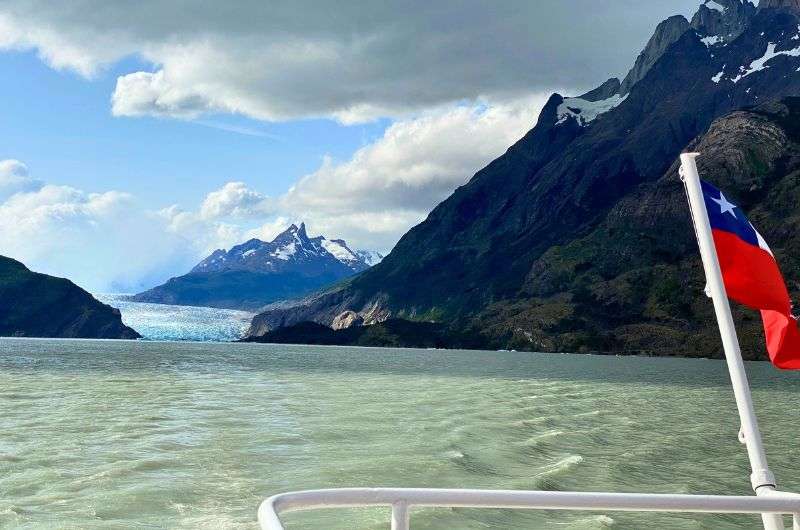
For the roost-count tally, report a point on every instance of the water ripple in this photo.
(100, 434)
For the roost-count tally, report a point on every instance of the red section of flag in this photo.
(752, 278)
(783, 339)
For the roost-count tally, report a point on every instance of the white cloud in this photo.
(12, 169)
(373, 198)
(225, 217)
(14, 178)
(92, 238)
(392, 184)
(235, 200)
(270, 229)
(200, 235)
(109, 240)
(350, 61)
(59, 43)
(459, 80)
(145, 93)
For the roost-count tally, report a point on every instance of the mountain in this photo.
(38, 305)
(256, 273)
(577, 238)
(370, 257)
(386, 334)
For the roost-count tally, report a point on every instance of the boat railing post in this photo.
(400, 516)
(762, 479)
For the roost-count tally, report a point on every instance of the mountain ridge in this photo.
(256, 273)
(475, 261)
(791, 6)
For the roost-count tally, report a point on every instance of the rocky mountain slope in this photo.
(577, 238)
(387, 334)
(256, 273)
(634, 283)
(38, 305)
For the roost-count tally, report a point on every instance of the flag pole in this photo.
(761, 478)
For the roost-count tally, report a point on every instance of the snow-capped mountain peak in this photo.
(292, 249)
(338, 249)
(722, 21)
(255, 273)
(370, 257)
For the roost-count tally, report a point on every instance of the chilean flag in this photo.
(752, 276)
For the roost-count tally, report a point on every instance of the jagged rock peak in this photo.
(792, 6)
(725, 19)
(604, 91)
(669, 31)
(291, 233)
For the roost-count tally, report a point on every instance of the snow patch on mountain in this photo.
(285, 252)
(712, 40)
(339, 249)
(585, 111)
(761, 63)
(370, 257)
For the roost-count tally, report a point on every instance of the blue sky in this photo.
(138, 137)
(61, 127)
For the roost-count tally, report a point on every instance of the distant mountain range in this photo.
(256, 273)
(578, 237)
(38, 305)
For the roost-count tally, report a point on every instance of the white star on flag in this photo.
(725, 206)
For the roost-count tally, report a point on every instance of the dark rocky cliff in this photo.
(38, 305)
(791, 6)
(634, 283)
(551, 246)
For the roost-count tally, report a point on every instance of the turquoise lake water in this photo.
(106, 435)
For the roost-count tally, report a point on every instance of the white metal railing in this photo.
(402, 501)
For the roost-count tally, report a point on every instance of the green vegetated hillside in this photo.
(578, 237)
(38, 305)
(635, 282)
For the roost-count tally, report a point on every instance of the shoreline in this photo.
(362, 347)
